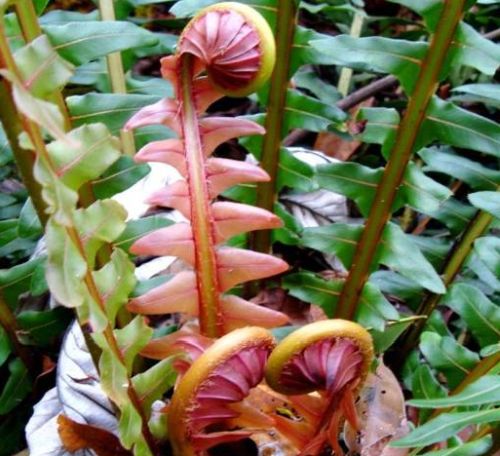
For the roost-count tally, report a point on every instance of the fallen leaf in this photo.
(381, 410)
(76, 436)
(336, 147)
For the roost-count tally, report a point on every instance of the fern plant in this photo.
(420, 271)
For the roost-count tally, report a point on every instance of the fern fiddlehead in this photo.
(234, 46)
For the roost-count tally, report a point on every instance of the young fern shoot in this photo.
(227, 49)
(332, 358)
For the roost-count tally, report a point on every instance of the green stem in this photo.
(36, 138)
(24, 159)
(346, 73)
(116, 74)
(482, 368)
(459, 253)
(400, 155)
(211, 323)
(9, 324)
(266, 192)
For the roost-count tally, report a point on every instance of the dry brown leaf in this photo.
(340, 148)
(381, 410)
(76, 436)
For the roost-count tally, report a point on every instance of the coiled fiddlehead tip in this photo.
(307, 336)
(221, 376)
(236, 45)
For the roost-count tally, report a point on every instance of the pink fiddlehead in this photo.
(331, 357)
(234, 46)
(209, 399)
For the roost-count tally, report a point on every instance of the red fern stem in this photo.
(233, 44)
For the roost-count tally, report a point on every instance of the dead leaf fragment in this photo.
(76, 436)
(381, 409)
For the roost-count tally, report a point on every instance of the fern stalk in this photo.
(400, 155)
(459, 253)
(210, 314)
(24, 159)
(266, 191)
(9, 324)
(116, 74)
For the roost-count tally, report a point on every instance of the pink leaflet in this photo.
(163, 112)
(230, 382)
(234, 218)
(217, 130)
(239, 313)
(329, 364)
(169, 68)
(224, 173)
(169, 151)
(204, 94)
(237, 266)
(179, 294)
(175, 195)
(175, 240)
(181, 341)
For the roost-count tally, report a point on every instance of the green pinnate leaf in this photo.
(130, 427)
(113, 110)
(5, 348)
(374, 310)
(16, 388)
(29, 224)
(132, 339)
(135, 229)
(115, 281)
(66, 267)
(396, 251)
(17, 279)
(375, 54)
(120, 176)
(43, 113)
(303, 111)
(81, 42)
(353, 180)
(115, 383)
(114, 380)
(480, 314)
(42, 70)
(443, 160)
(489, 94)
(380, 127)
(488, 251)
(486, 201)
(339, 239)
(43, 327)
(294, 173)
(95, 150)
(311, 288)
(474, 50)
(422, 193)
(448, 356)
(401, 254)
(102, 222)
(425, 385)
(61, 200)
(475, 448)
(458, 127)
(154, 382)
(486, 390)
(445, 426)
